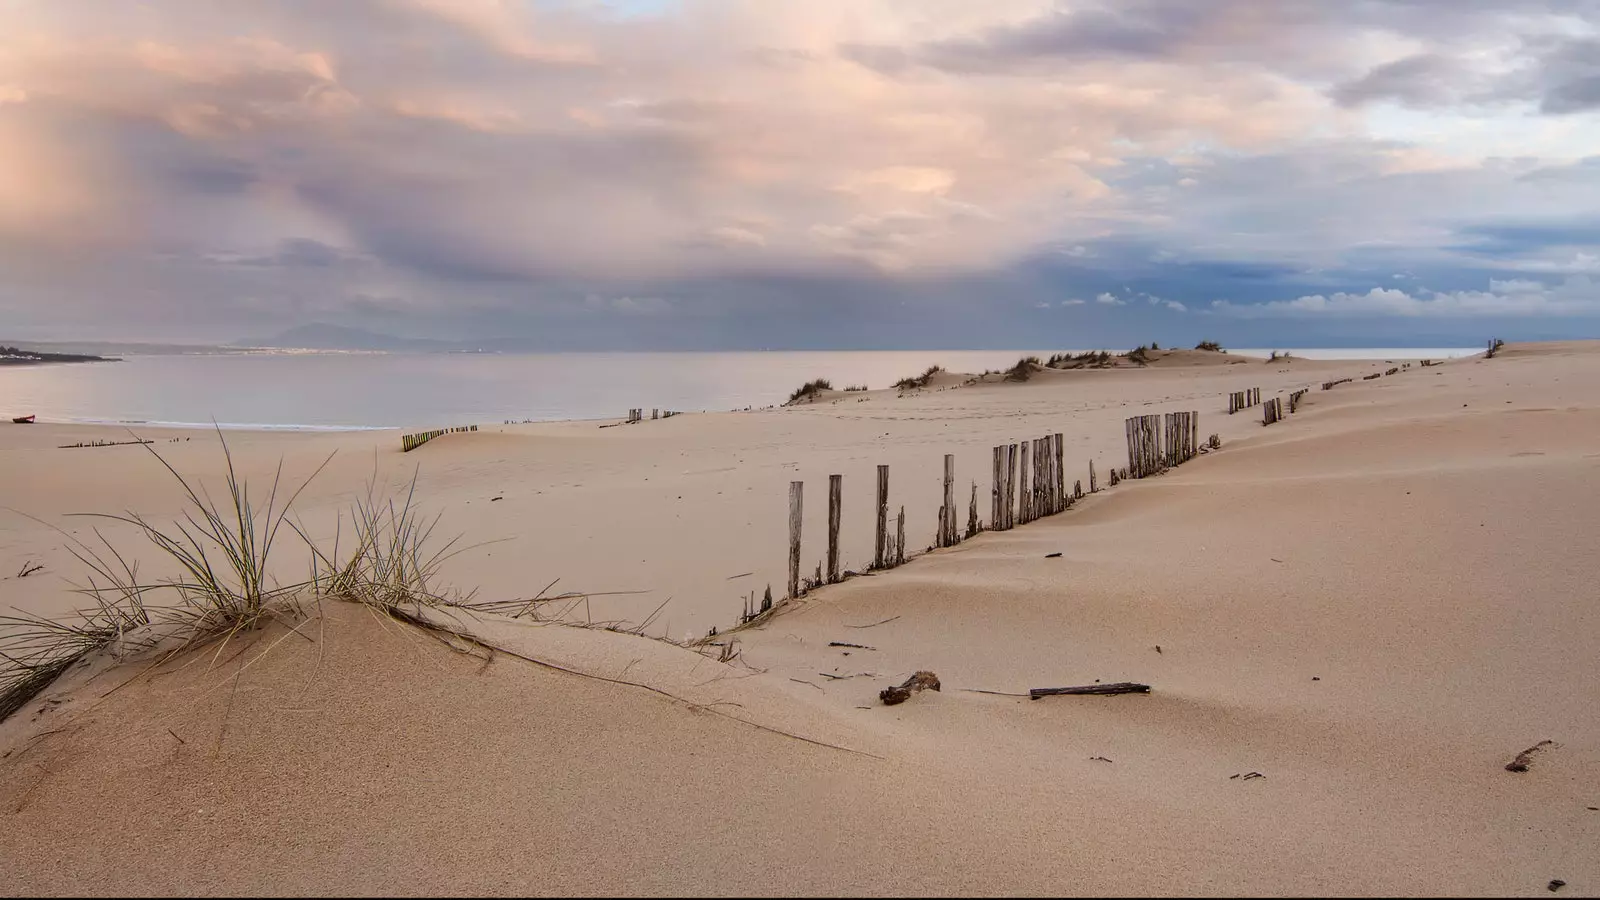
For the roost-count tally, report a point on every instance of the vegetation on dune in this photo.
(1024, 369)
(854, 388)
(1212, 346)
(1139, 355)
(918, 381)
(221, 553)
(1093, 359)
(385, 558)
(810, 389)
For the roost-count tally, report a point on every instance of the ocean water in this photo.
(315, 391)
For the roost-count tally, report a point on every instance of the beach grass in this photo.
(919, 381)
(810, 389)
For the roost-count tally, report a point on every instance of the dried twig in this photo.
(874, 624)
(1121, 687)
(1520, 764)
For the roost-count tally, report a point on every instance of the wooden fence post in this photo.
(1022, 493)
(880, 556)
(835, 502)
(995, 523)
(1061, 473)
(796, 489)
(947, 516)
(1094, 483)
(1011, 487)
(972, 514)
(900, 538)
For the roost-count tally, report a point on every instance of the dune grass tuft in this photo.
(919, 381)
(1024, 369)
(810, 389)
(221, 551)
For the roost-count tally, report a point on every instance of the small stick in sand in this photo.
(900, 693)
(1121, 687)
(874, 624)
(843, 644)
(1520, 764)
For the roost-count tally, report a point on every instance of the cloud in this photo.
(219, 163)
(1073, 302)
(1579, 296)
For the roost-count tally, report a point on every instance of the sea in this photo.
(323, 390)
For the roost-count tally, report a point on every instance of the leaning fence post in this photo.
(879, 556)
(835, 501)
(795, 499)
(972, 514)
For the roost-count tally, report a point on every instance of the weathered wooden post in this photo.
(972, 514)
(1061, 472)
(796, 489)
(1011, 487)
(948, 516)
(1022, 495)
(900, 538)
(995, 522)
(879, 555)
(835, 502)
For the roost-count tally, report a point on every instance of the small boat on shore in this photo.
(23, 420)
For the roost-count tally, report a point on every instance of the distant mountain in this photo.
(321, 336)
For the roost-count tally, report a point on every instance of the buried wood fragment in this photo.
(1520, 764)
(843, 644)
(1052, 555)
(900, 693)
(1121, 687)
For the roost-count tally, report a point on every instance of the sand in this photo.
(1375, 605)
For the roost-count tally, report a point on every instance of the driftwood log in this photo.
(900, 693)
(1121, 687)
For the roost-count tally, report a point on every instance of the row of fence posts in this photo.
(1294, 398)
(1272, 411)
(1029, 483)
(1243, 400)
(1330, 385)
(410, 442)
(637, 415)
(1156, 443)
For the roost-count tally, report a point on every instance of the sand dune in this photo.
(1374, 605)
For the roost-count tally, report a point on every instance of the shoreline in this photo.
(776, 400)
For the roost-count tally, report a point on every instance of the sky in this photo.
(705, 174)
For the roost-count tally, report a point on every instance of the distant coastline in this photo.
(16, 356)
